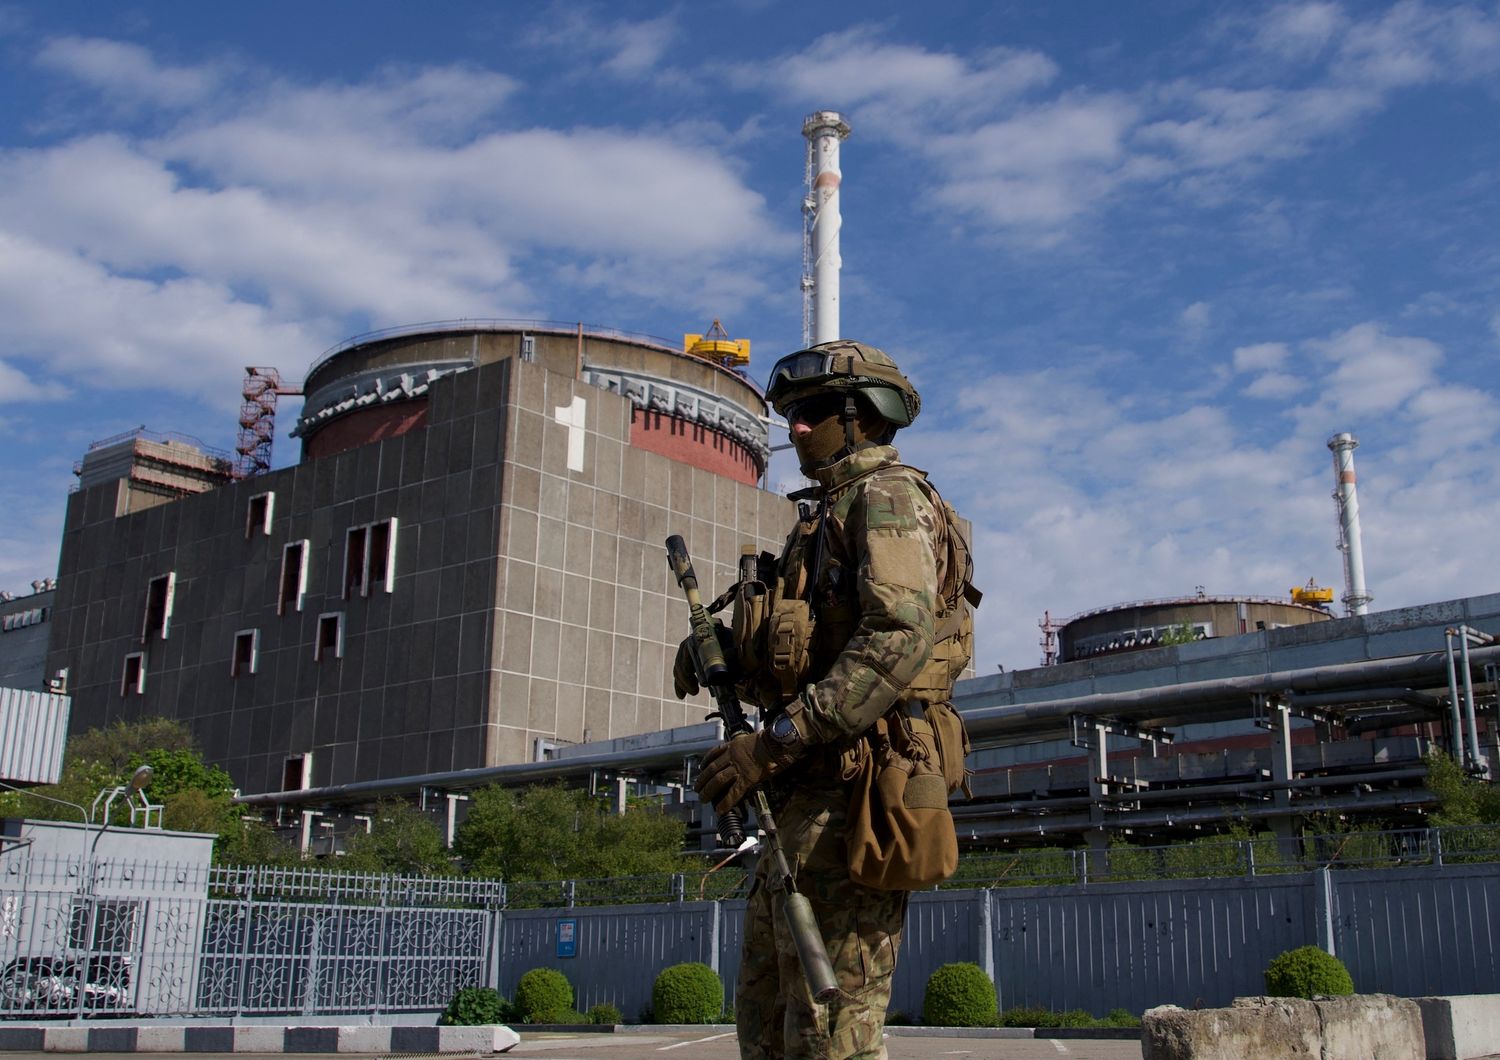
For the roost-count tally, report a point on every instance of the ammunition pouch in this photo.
(788, 636)
(901, 834)
(752, 606)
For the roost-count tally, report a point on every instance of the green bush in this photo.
(1305, 972)
(1122, 1017)
(475, 1006)
(544, 995)
(604, 1014)
(959, 995)
(1023, 1016)
(687, 993)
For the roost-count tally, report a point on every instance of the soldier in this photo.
(857, 622)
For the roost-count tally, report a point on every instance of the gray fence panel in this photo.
(619, 950)
(1141, 944)
(731, 940)
(274, 958)
(941, 927)
(1419, 931)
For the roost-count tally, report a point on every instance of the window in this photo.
(370, 558)
(293, 577)
(330, 642)
(258, 514)
(246, 658)
(159, 594)
(296, 773)
(133, 675)
(354, 560)
(380, 557)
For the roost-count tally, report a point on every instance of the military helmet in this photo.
(840, 365)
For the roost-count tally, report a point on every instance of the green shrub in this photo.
(959, 995)
(687, 993)
(543, 995)
(475, 1006)
(1023, 1016)
(1305, 972)
(604, 1014)
(1121, 1017)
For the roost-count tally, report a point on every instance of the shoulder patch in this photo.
(894, 502)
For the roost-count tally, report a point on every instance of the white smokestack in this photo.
(1356, 597)
(824, 130)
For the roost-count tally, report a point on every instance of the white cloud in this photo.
(631, 51)
(127, 72)
(1274, 386)
(1195, 319)
(1261, 357)
(856, 68)
(102, 330)
(1083, 497)
(16, 385)
(1414, 43)
(259, 221)
(1375, 373)
(1300, 30)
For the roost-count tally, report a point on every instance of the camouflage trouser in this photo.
(774, 1009)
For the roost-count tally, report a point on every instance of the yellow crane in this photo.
(715, 345)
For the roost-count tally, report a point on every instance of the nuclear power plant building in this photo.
(465, 569)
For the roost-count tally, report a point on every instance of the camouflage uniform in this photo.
(878, 582)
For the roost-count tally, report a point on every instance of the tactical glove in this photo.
(733, 768)
(685, 669)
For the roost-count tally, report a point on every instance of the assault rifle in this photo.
(714, 674)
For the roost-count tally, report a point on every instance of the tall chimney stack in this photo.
(1356, 597)
(824, 131)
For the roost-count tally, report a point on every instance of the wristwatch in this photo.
(782, 731)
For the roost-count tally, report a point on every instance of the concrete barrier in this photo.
(260, 1038)
(1362, 1027)
(1460, 1027)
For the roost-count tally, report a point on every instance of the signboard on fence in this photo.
(567, 938)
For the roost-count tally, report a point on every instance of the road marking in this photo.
(1059, 1046)
(698, 1041)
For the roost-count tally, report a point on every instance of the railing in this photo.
(488, 324)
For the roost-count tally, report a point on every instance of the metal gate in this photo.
(282, 958)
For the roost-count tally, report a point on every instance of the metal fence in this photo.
(94, 937)
(90, 939)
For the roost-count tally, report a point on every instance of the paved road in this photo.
(692, 1045)
(722, 1046)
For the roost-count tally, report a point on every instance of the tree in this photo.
(194, 796)
(402, 840)
(1182, 633)
(554, 833)
(1462, 799)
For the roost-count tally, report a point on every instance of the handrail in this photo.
(560, 327)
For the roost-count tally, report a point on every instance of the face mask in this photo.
(819, 446)
(828, 439)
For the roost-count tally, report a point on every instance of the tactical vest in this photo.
(793, 615)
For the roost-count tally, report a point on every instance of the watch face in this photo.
(782, 730)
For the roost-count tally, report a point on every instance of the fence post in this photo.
(1081, 865)
(1249, 845)
(679, 887)
(569, 892)
(1325, 922)
(987, 937)
(1435, 844)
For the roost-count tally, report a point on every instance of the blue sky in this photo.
(1141, 259)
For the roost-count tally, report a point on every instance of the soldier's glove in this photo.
(733, 768)
(685, 668)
